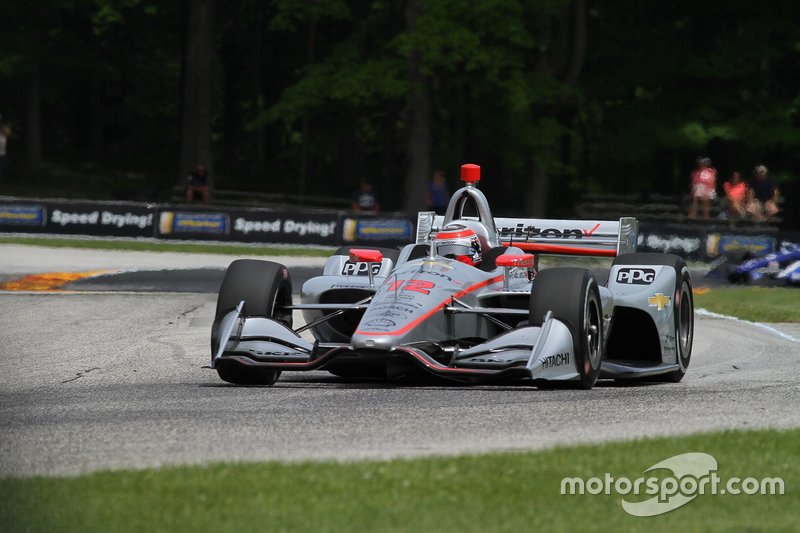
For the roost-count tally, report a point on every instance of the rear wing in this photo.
(605, 238)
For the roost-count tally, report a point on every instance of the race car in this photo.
(465, 302)
(775, 269)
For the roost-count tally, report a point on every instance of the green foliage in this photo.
(489, 492)
(323, 86)
(752, 303)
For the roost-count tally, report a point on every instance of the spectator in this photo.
(763, 195)
(5, 133)
(364, 199)
(704, 187)
(197, 182)
(735, 192)
(437, 196)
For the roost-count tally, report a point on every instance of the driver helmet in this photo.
(457, 241)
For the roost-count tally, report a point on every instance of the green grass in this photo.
(758, 304)
(493, 492)
(153, 246)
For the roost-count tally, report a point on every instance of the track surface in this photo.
(103, 380)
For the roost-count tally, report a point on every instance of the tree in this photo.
(419, 121)
(198, 87)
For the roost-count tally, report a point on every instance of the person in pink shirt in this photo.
(704, 187)
(735, 192)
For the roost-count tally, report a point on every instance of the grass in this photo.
(156, 246)
(758, 304)
(492, 492)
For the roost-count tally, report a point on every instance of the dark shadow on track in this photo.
(199, 280)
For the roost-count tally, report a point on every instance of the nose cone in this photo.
(361, 341)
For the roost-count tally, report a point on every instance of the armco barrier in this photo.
(327, 228)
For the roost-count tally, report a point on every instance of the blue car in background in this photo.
(780, 268)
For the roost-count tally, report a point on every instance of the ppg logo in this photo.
(636, 276)
(360, 269)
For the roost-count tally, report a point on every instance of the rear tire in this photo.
(683, 307)
(265, 287)
(574, 298)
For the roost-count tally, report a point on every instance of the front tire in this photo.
(573, 296)
(265, 288)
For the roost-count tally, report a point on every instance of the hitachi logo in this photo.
(558, 359)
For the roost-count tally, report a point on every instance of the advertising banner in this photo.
(254, 225)
(193, 224)
(379, 231)
(724, 244)
(682, 241)
(29, 216)
(77, 218)
(285, 227)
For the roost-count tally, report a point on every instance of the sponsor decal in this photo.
(435, 274)
(360, 269)
(380, 323)
(125, 220)
(282, 227)
(726, 244)
(559, 359)
(245, 226)
(400, 306)
(309, 228)
(659, 301)
(669, 244)
(64, 218)
(377, 229)
(390, 313)
(671, 484)
(22, 215)
(636, 276)
(523, 232)
(277, 353)
(198, 223)
(669, 344)
(101, 218)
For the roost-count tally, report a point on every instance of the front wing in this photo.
(530, 352)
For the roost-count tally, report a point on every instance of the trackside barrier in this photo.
(317, 227)
(191, 222)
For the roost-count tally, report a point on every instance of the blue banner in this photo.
(756, 245)
(183, 222)
(22, 215)
(377, 229)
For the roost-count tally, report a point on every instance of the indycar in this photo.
(388, 314)
(775, 269)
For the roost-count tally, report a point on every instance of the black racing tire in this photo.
(683, 307)
(573, 296)
(264, 286)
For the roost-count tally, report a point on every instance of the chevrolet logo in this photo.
(659, 300)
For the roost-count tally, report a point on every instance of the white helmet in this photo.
(457, 241)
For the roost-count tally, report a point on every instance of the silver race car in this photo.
(465, 302)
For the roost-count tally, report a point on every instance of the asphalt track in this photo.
(110, 375)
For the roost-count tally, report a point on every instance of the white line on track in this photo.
(710, 314)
